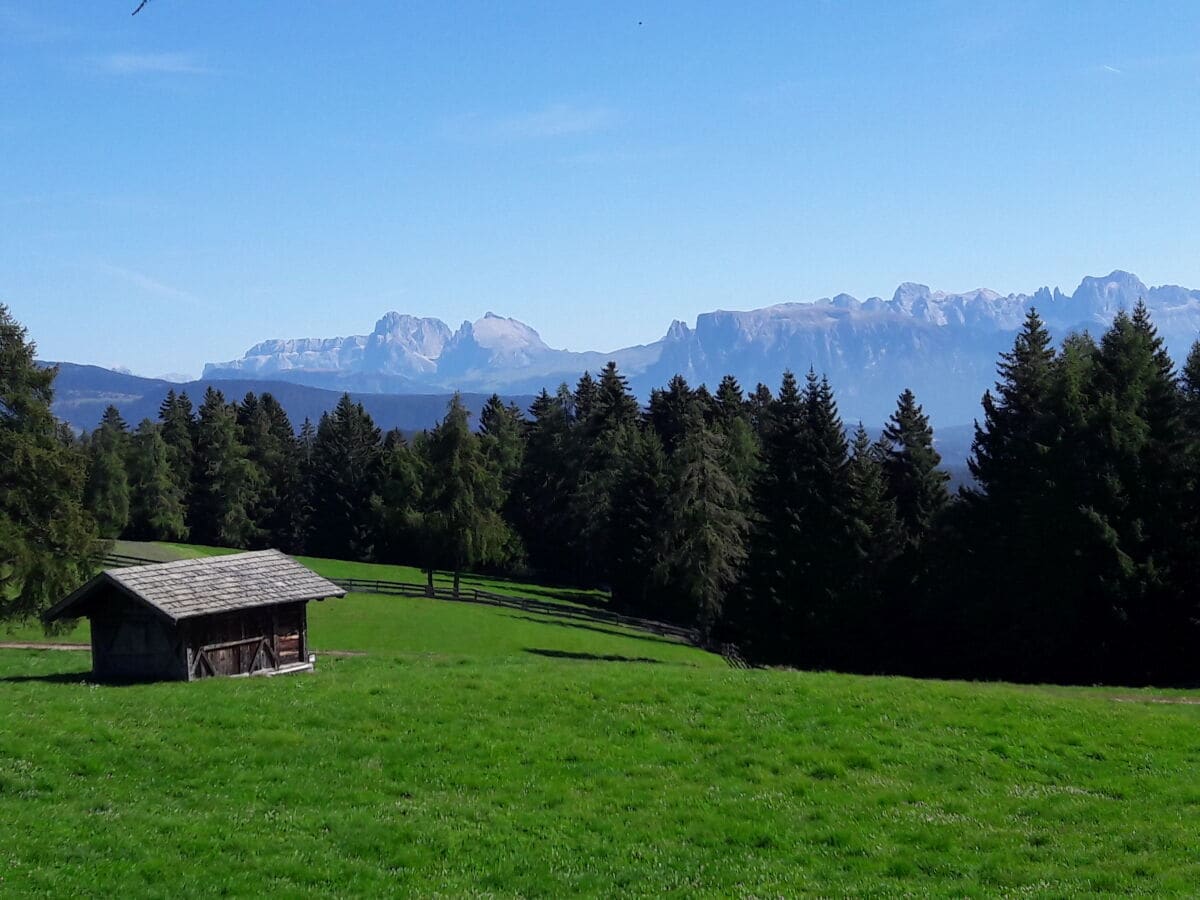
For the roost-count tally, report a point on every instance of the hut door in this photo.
(288, 624)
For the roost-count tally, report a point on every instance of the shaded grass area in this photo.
(492, 770)
(336, 568)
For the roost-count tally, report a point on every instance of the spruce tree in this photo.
(345, 471)
(226, 482)
(584, 398)
(461, 496)
(801, 536)
(501, 432)
(706, 527)
(398, 503)
(730, 401)
(595, 460)
(875, 528)
(639, 503)
(1136, 445)
(272, 447)
(672, 411)
(107, 493)
(544, 484)
(156, 511)
(48, 542)
(179, 433)
(912, 467)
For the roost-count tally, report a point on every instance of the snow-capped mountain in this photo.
(942, 345)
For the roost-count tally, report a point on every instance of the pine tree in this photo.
(398, 503)
(1011, 521)
(1137, 454)
(272, 447)
(873, 511)
(614, 404)
(156, 511)
(758, 406)
(543, 486)
(1017, 425)
(584, 398)
(639, 503)
(462, 496)
(912, 467)
(731, 402)
(107, 493)
(801, 535)
(226, 482)
(593, 470)
(706, 527)
(672, 411)
(345, 471)
(179, 433)
(501, 432)
(48, 542)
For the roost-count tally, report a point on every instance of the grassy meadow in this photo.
(470, 750)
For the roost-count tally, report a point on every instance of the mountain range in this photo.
(942, 345)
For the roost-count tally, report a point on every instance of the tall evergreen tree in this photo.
(544, 484)
(226, 482)
(272, 447)
(48, 542)
(707, 528)
(107, 493)
(802, 529)
(501, 432)
(179, 433)
(398, 503)
(913, 469)
(875, 531)
(345, 472)
(639, 503)
(672, 411)
(156, 511)
(462, 496)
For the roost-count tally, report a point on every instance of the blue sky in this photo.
(178, 185)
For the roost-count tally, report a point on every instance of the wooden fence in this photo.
(474, 595)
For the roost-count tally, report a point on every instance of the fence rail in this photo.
(474, 595)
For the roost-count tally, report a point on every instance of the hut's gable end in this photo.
(132, 640)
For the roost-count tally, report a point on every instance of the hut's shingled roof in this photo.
(213, 584)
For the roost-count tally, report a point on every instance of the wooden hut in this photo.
(219, 615)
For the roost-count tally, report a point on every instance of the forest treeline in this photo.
(758, 517)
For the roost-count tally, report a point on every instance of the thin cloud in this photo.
(1113, 69)
(554, 121)
(151, 64)
(147, 284)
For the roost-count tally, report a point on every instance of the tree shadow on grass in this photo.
(621, 634)
(55, 678)
(590, 657)
(578, 596)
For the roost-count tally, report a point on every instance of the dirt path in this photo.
(41, 645)
(1184, 701)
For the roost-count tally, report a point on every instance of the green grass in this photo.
(474, 750)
